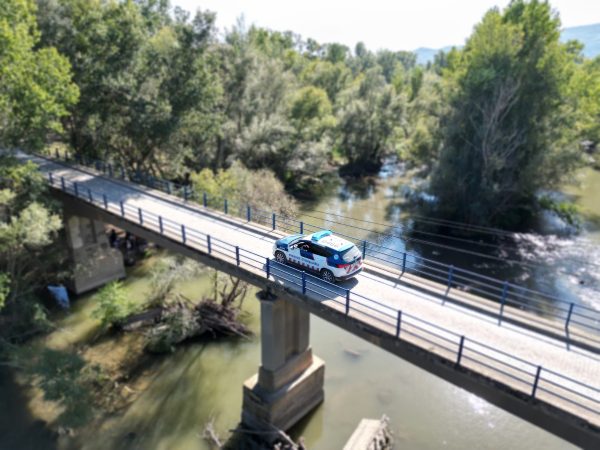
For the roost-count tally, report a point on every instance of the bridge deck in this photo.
(507, 353)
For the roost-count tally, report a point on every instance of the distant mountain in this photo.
(588, 35)
(424, 54)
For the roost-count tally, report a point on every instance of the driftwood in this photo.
(216, 319)
(182, 321)
(371, 434)
(273, 438)
(209, 434)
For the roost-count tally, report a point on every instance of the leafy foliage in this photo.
(35, 83)
(506, 136)
(259, 189)
(147, 88)
(28, 227)
(165, 275)
(113, 305)
(367, 117)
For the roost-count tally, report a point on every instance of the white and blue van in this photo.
(333, 258)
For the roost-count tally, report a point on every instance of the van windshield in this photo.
(351, 254)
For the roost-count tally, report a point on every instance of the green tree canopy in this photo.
(28, 225)
(507, 134)
(35, 83)
(369, 112)
(148, 89)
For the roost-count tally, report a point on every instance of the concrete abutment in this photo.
(95, 262)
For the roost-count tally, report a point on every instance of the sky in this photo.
(391, 24)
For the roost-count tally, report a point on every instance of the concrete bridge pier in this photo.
(289, 382)
(95, 262)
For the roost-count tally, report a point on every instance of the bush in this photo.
(113, 305)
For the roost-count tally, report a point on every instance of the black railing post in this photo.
(208, 244)
(268, 268)
(450, 275)
(160, 225)
(110, 170)
(105, 200)
(274, 221)
(398, 323)
(364, 252)
(76, 189)
(141, 216)
(237, 255)
(460, 350)
(347, 301)
(204, 199)
(122, 173)
(536, 381)
(567, 334)
(248, 213)
(403, 263)
(50, 179)
(301, 227)
(122, 208)
(303, 282)
(62, 183)
(57, 154)
(183, 238)
(502, 302)
(169, 187)
(90, 195)
(225, 208)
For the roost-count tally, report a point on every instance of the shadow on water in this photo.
(18, 429)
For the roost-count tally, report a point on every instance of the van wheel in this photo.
(280, 257)
(327, 275)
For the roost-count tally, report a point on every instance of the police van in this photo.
(333, 258)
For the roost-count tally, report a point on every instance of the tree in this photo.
(328, 76)
(35, 83)
(507, 135)
(586, 88)
(28, 228)
(422, 131)
(390, 61)
(148, 89)
(368, 114)
(165, 275)
(113, 306)
(336, 53)
(260, 189)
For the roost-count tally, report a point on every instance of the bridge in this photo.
(544, 369)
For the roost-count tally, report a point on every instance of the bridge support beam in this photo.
(95, 262)
(289, 382)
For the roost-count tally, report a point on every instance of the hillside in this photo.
(589, 35)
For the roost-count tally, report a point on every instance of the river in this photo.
(200, 382)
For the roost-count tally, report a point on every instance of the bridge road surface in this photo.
(582, 366)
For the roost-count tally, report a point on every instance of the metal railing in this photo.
(573, 320)
(521, 375)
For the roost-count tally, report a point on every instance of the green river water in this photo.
(203, 381)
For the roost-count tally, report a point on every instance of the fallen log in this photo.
(183, 321)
